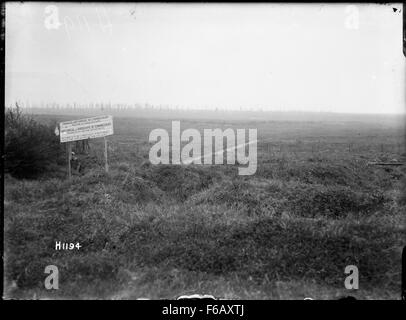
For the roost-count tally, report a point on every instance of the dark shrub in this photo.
(30, 147)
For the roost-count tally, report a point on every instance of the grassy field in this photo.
(313, 207)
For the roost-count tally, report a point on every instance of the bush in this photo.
(30, 147)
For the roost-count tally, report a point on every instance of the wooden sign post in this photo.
(69, 158)
(106, 165)
(82, 129)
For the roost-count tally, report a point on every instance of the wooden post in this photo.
(105, 155)
(69, 157)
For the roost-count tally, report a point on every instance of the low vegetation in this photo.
(161, 231)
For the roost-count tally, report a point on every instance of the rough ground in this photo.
(313, 207)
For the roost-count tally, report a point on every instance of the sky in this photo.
(306, 57)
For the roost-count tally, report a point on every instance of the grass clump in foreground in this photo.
(168, 230)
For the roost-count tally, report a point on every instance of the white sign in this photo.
(88, 128)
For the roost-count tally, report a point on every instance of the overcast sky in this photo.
(317, 57)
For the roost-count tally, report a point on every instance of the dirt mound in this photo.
(181, 181)
(136, 189)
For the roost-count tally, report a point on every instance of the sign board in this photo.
(88, 128)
